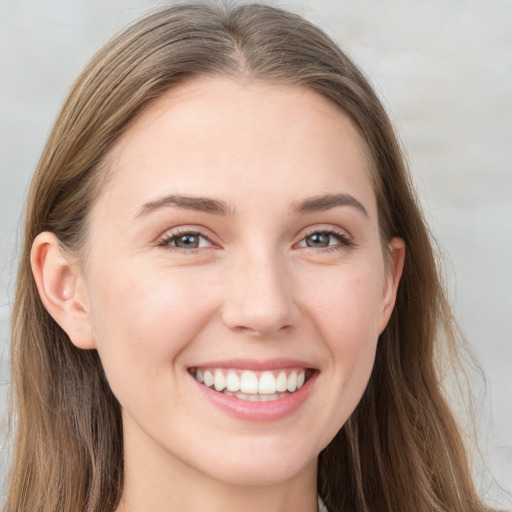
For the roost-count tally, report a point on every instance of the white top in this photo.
(321, 505)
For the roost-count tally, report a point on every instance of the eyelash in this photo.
(345, 242)
(165, 241)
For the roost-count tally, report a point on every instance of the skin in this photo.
(255, 290)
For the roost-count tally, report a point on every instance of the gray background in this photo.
(444, 71)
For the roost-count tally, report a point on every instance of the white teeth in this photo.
(267, 384)
(219, 380)
(249, 386)
(301, 377)
(281, 382)
(233, 382)
(249, 382)
(292, 382)
(208, 378)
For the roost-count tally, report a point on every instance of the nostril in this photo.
(261, 331)
(253, 321)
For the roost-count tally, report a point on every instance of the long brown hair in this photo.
(400, 450)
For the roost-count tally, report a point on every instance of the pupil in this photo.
(188, 241)
(318, 240)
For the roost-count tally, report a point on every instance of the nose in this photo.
(259, 296)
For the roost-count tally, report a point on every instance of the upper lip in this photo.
(256, 364)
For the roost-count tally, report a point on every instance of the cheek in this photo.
(142, 321)
(345, 309)
(346, 304)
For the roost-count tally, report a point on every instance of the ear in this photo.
(394, 267)
(61, 288)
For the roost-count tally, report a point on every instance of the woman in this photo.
(228, 297)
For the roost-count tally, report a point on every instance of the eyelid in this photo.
(325, 228)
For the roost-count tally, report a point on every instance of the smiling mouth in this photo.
(253, 386)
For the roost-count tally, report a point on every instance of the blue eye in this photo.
(188, 240)
(326, 239)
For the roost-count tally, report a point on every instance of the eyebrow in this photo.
(326, 202)
(198, 204)
(218, 207)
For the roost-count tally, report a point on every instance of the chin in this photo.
(253, 471)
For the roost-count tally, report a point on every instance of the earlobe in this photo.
(394, 268)
(60, 286)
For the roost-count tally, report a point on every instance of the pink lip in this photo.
(272, 410)
(256, 365)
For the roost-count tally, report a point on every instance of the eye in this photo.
(185, 240)
(326, 239)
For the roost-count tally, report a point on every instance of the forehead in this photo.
(230, 139)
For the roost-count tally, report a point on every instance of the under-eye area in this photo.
(255, 386)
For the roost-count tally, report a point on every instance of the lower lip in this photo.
(271, 410)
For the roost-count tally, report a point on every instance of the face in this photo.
(235, 282)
